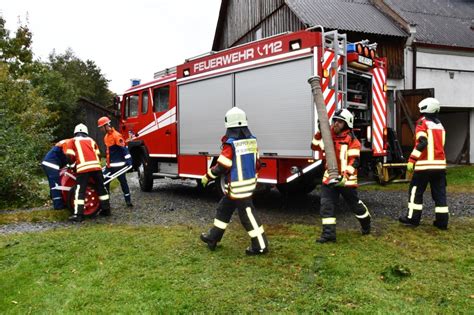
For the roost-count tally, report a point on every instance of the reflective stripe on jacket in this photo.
(428, 153)
(116, 151)
(347, 149)
(85, 152)
(242, 178)
(56, 157)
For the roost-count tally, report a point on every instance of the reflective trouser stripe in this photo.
(76, 199)
(57, 198)
(219, 224)
(126, 195)
(256, 233)
(441, 210)
(329, 221)
(104, 197)
(412, 205)
(366, 214)
(255, 227)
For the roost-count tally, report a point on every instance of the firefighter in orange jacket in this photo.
(84, 152)
(428, 161)
(117, 156)
(347, 149)
(239, 162)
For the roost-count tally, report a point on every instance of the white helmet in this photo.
(235, 117)
(345, 115)
(81, 128)
(429, 105)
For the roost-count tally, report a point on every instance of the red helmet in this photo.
(103, 121)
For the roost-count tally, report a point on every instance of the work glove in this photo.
(342, 182)
(204, 181)
(410, 167)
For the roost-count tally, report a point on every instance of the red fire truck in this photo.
(174, 124)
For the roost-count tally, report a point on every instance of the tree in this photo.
(86, 77)
(16, 51)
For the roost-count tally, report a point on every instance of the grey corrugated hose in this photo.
(324, 126)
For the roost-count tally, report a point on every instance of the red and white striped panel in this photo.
(379, 110)
(328, 93)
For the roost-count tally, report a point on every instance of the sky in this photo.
(126, 39)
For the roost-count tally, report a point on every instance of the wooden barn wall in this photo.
(244, 17)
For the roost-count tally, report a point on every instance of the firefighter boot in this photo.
(76, 218)
(365, 225)
(328, 234)
(259, 246)
(441, 221)
(105, 208)
(414, 221)
(78, 215)
(211, 243)
(128, 200)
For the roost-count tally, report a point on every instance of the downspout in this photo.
(411, 43)
(414, 68)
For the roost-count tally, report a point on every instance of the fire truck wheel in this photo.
(145, 174)
(91, 201)
(297, 188)
(220, 186)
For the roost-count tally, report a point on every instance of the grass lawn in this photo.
(460, 179)
(123, 269)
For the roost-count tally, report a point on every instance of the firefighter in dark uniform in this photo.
(84, 153)
(428, 161)
(347, 149)
(52, 163)
(239, 162)
(117, 156)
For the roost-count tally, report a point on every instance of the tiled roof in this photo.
(440, 22)
(347, 15)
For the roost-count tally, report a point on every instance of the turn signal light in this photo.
(372, 54)
(385, 88)
(366, 51)
(325, 73)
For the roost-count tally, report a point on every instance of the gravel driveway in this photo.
(182, 202)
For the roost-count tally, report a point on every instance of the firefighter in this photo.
(117, 156)
(347, 149)
(239, 162)
(84, 152)
(52, 163)
(428, 162)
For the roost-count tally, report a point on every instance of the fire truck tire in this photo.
(91, 201)
(299, 187)
(220, 186)
(145, 174)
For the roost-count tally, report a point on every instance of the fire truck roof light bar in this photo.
(212, 52)
(164, 72)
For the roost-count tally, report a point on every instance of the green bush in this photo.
(24, 138)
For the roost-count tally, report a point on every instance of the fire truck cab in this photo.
(173, 124)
